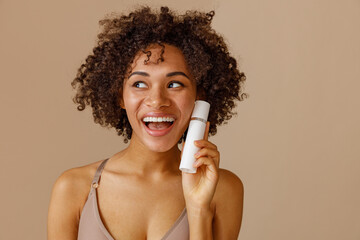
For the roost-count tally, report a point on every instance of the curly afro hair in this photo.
(100, 79)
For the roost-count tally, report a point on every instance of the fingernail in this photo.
(195, 163)
(197, 154)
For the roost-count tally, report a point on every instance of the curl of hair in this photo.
(99, 80)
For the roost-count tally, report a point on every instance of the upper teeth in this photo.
(158, 119)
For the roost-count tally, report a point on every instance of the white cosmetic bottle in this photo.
(195, 132)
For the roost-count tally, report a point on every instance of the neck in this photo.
(149, 164)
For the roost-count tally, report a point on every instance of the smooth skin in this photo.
(142, 192)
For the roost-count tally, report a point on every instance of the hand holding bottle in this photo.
(199, 188)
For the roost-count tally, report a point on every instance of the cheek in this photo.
(130, 100)
(131, 104)
(186, 105)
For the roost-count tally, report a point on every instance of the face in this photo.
(159, 98)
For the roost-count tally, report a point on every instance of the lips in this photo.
(158, 124)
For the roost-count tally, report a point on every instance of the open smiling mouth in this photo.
(158, 126)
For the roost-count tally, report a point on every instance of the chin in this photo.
(162, 145)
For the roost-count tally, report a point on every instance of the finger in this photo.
(206, 135)
(212, 154)
(207, 152)
(209, 163)
(205, 143)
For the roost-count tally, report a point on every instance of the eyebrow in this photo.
(177, 73)
(145, 74)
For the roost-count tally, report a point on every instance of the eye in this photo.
(139, 85)
(175, 85)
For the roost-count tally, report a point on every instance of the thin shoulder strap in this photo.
(95, 182)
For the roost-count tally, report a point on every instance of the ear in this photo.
(121, 100)
(121, 105)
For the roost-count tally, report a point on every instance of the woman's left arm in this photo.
(229, 206)
(205, 221)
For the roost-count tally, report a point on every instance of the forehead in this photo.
(173, 58)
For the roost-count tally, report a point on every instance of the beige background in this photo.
(294, 143)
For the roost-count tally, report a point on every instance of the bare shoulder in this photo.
(68, 196)
(229, 188)
(75, 181)
(228, 201)
(229, 180)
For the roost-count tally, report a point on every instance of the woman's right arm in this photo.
(67, 197)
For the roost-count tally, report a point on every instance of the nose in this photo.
(157, 98)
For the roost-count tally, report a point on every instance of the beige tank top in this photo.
(91, 226)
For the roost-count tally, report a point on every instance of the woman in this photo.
(143, 79)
